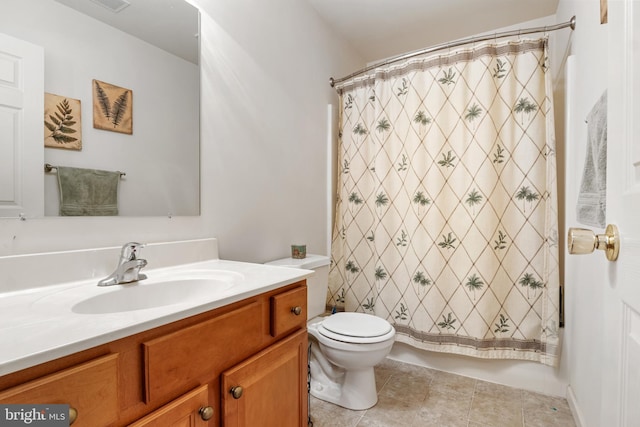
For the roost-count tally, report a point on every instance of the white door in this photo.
(21, 128)
(621, 304)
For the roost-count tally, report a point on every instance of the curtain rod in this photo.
(570, 23)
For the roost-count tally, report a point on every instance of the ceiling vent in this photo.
(114, 6)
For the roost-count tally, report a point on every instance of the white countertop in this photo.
(39, 325)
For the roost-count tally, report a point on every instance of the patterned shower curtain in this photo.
(446, 218)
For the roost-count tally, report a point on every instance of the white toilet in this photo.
(344, 346)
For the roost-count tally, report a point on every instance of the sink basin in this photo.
(142, 296)
(162, 288)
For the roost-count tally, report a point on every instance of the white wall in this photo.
(265, 92)
(584, 275)
(165, 92)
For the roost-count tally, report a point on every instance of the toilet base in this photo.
(353, 389)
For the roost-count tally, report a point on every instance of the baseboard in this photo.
(575, 409)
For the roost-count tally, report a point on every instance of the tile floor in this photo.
(412, 396)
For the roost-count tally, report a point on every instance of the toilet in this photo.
(345, 346)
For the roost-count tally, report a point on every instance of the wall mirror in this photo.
(148, 47)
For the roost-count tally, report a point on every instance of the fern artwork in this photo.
(62, 124)
(112, 108)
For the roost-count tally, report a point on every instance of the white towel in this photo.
(592, 199)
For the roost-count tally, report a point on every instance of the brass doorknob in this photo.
(296, 310)
(236, 392)
(584, 241)
(73, 414)
(206, 412)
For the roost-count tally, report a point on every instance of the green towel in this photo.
(88, 192)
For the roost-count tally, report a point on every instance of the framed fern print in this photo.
(62, 124)
(112, 107)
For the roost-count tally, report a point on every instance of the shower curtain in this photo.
(446, 215)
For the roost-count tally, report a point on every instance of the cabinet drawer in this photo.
(288, 311)
(90, 388)
(184, 359)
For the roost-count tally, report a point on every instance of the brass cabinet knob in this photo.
(73, 414)
(297, 310)
(236, 392)
(584, 241)
(206, 412)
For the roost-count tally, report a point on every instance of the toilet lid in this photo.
(358, 325)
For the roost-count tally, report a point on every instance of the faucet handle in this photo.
(130, 251)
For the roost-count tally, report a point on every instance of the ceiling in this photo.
(171, 25)
(376, 29)
(379, 29)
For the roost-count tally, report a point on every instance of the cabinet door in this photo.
(273, 385)
(189, 410)
(90, 389)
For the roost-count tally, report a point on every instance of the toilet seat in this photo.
(357, 328)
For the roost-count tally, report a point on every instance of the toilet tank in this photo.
(317, 285)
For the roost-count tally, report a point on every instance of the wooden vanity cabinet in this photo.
(181, 374)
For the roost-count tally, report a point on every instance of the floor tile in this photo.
(439, 420)
(443, 408)
(496, 405)
(390, 412)
(412, 396)
(446, 402)
(325, 414)
(451, 383)
(407, 386)
(546, 411)
(383, 373)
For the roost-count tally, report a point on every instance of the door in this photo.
(270, 388)
(621, 303)
(189, 410)
(21, 128)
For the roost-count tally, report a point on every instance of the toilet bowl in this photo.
(349, 345)
(344, 347)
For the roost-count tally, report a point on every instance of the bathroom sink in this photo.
(152, 294)
(170, 287)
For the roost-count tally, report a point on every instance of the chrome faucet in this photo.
(129, 265)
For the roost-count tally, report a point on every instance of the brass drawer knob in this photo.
(297, 310)
(206, 412)
(73, 414)
(236, 392)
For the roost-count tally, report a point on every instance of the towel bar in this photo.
(49, 168)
